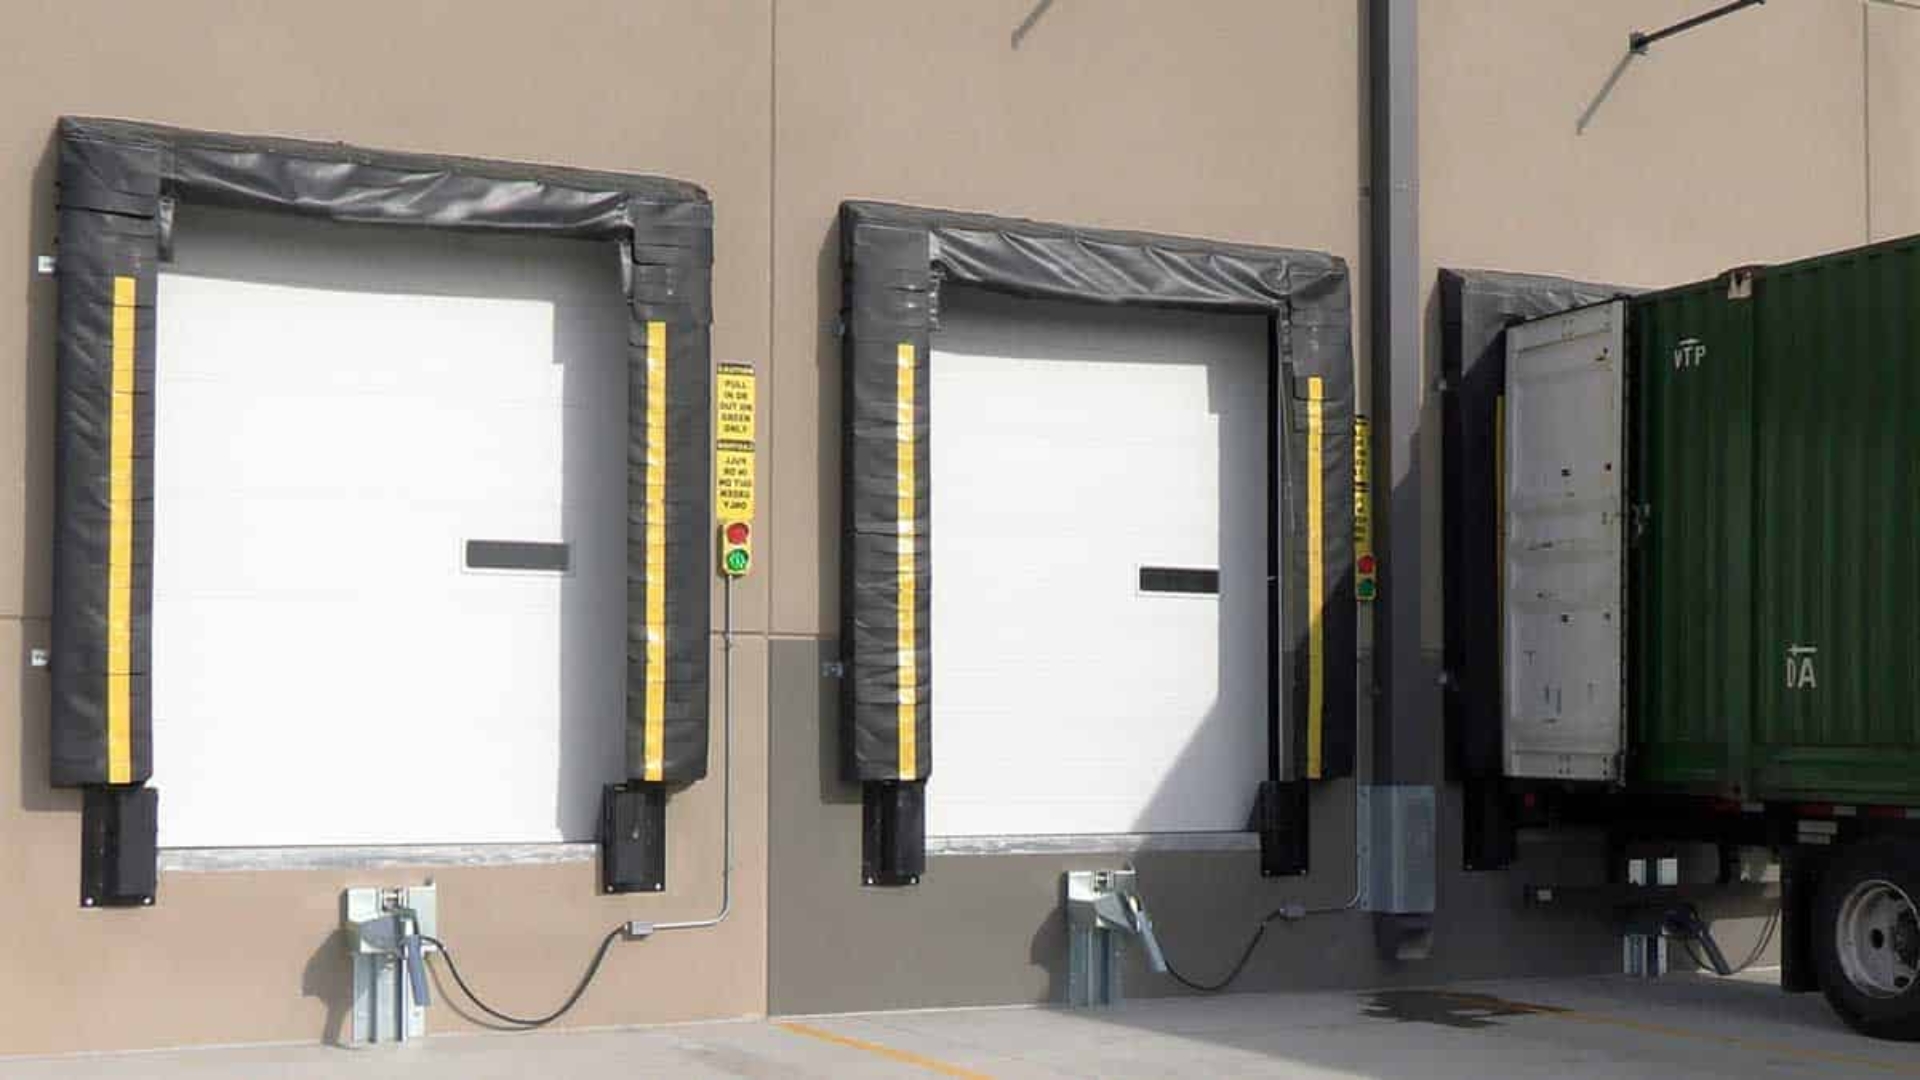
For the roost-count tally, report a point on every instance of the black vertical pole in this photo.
(1639, 39)
(1400, 797)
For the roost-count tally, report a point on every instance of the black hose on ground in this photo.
(1285, 912)
(1693, 930)
(1239, 965)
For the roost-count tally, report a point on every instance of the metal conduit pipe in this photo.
(636, 929)
(641, 929)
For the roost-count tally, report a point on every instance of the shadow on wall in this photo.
(590, 341)
(36, 584)
(328, 976)
(835, 752)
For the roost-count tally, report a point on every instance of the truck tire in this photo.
(1867, 937)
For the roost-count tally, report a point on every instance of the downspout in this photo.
(1398, 805)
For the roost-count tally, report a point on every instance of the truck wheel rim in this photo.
(1878, 935)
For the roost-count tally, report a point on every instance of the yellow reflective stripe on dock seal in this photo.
(656, 553)
(120, 540)
(909, 585)
(1316, 569)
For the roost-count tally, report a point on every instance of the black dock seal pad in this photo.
(893, 841)
(1476, 307)
(119, 855)
(894, 261)
(1282, 817)
(633, 837)
(119, 183)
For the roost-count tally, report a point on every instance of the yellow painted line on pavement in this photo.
(904, 1057)
(1764, 1046)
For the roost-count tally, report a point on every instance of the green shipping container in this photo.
(1774, 532)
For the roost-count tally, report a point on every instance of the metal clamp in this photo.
(1104, 909)
(385, 931)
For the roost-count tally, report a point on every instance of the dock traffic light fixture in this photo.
(1366, 566)
(736, 548)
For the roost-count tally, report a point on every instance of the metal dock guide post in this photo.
(1103, 910)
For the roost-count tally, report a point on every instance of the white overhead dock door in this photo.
(1074, 447)
(340, 411)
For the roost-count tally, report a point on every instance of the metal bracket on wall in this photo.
(1639, 40)
(1104, 910)
(1396, 830)
(385, 932)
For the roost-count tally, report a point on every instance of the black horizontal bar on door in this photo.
(518, 555)
(1174, 579)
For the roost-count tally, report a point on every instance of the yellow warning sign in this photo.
(733, 482)
(1362, 503)
(733, 403)
(1362, 455)
(734, 399)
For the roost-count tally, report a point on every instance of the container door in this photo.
(1691, 583)
(1563, 540)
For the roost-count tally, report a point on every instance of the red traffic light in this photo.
(737, 532)
(1366, 564)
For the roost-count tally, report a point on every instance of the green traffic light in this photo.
(1365, 590)
(736, 561)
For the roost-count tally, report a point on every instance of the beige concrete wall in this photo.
(1741, 142)
(1235, 120)
(1893, 117)
(1744, 142)
(680, 89)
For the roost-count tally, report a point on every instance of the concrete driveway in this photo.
(1685, 1026)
